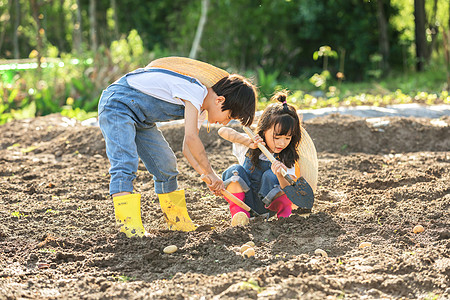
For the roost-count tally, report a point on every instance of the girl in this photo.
(255, 180)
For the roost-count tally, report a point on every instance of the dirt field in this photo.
(377, 180)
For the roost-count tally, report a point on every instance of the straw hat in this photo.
(207, 74)
(307, 166)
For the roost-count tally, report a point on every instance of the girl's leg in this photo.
(273, 196)
(249, 183)
(235, 187)
(282, 205)
(232, 182)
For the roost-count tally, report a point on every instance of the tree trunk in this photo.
(17, 15)
(93, 25)
(3, 31)
(421, 42)
(116, 20)
(35, 8)
(383, 38)
(77, 38)
(434, 29)
(59, 30)
(201, 25)
(446, 37)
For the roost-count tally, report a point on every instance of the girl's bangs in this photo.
(284, 125)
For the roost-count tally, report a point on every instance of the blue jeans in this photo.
(127, 120)
(263, 184)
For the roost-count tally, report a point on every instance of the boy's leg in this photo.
(158, 158)
(160, 161)
(127, 209)
(118, 130)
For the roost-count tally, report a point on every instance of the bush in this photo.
(71, 85)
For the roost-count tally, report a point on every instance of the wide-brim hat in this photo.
(307, 165)
(207, 74)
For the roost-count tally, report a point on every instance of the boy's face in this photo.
(215, 113)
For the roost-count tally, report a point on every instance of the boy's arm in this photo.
(193, 148)
(236, 137)
(190, 158)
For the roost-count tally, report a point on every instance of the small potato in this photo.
(418, 229)
(321, 252)
(250, 243)
(244, 247)
(170, 249)
(365, 244)
(249, 252)
(239, 218)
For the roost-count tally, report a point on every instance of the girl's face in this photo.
(276, 143)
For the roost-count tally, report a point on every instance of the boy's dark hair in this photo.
(240, 97)
(287, 122)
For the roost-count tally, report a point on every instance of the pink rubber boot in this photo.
(234, 208)
(282, 205)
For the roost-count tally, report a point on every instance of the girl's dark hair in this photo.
(240, 97)
(285, 120)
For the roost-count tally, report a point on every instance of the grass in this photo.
(75, 95)
(399, 87)
(432, 80)
(123, 278)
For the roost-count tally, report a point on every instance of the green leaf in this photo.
(78, 84)
(13, 95)
(316, 55)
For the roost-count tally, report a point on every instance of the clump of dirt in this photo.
(377, 180)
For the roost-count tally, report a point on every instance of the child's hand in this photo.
(258, 140)
(277, 166)
(216, 185)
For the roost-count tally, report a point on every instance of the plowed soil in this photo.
(377, 180)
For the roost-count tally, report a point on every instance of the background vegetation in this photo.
(58, 55)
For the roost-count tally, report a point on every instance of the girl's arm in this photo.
(276, 169)
(236, 137)
(193, 148)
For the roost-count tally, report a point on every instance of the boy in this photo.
(167, 89)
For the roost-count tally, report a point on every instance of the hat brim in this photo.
(207, 74)
(307, 165)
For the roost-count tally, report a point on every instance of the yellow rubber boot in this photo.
(175, 211)
(127, 209)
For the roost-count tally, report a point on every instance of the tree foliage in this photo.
(244, 34)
